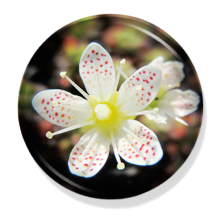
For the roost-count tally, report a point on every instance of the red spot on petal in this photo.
(42, 101)
(106, 62)
(85, 164)
(63, 115)
(93, 51)
(137, 79)
(56, 114)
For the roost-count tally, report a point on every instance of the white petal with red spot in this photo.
(179, 103)
(143, 151)
(91, 163)
(134, 98)
(58, 115)
(97, 71)
(172, 72)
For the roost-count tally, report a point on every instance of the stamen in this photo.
(143, 112)
(122, 62)
(120, 165)
(131, 133)
(181, 121)
(124, 74)
(55, 104)
(63, 75)
(88, 146)
(178, 119)
(50, 135)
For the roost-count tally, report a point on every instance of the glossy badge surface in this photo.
(110, 106)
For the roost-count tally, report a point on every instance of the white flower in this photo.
(107, 111)
(174, 103)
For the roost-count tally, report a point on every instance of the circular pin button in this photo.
(110, 106)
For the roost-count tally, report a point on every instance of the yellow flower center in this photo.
(108, 116)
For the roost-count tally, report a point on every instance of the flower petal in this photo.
(157, 61)
(142, 149)
(138, 91)
(97, 71)
(91, 163)
(58, 115)
(172, 72)
(179, 103)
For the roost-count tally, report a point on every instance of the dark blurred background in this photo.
(62, 51)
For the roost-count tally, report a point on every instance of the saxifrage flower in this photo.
(171, 102)
(108, 112)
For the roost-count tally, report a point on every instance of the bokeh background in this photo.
(123, 37)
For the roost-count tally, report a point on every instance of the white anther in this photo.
(49, 135)
(102, 111)
(55, 103)
(139, 87)
(156, 110)
(122, 61)
(63, 74)
(120, 166)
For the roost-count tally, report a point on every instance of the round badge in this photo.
(110, 106)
